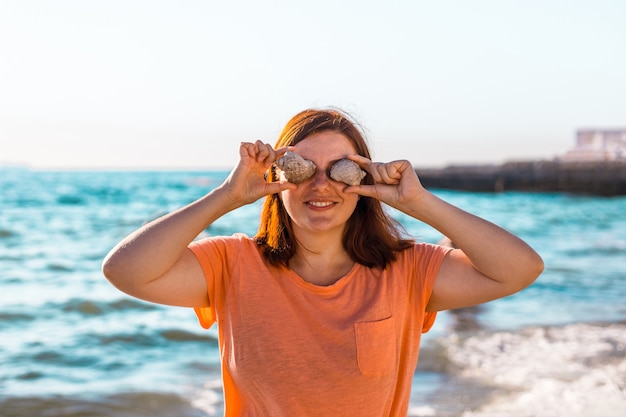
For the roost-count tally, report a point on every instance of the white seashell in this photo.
(347, 171)
(294, 168)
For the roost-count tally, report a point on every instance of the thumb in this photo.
(364, 190)
(277, 187)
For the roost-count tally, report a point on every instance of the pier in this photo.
(600, 178)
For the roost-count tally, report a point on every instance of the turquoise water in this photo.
(71, 344)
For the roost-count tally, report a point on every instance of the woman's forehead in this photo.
(326, 145)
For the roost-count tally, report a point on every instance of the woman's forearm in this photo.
(493, 251)
(154, 248)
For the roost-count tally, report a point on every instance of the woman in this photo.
(322, 311)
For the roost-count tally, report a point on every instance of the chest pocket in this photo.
(376, 347)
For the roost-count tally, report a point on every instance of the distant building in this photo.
(598, 145)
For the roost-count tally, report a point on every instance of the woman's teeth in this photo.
(320, 203)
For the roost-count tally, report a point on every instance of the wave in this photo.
(7, 233)
(143, 338)
(608, 249)
(132, 404)
(70, 200)
(59, 267)
(91, 307)
(176, 335)
(14, 318)
(547, 371)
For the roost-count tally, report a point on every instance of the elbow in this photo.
(113, 272)
(534, 268)
(108, 269)
(537, 267)
(523, 274)
(124, 274)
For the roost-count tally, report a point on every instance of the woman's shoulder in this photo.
(230, 253)
(421, 258)
(421, 250)
(237, 242)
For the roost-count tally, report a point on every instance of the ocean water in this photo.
(72, 345)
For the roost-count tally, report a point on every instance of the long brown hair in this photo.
(371, 237)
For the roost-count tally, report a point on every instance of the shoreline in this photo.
(473, 373)
(599, 178)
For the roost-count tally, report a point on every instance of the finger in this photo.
(375, 169)
(389, 173)
(364, 190)
(386, 173)
(247, 149)
(271, 157)
(277, 187)
(281, 151)
(361, 161)
(263, 151)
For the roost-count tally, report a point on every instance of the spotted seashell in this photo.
(347, 171)
(294, 168)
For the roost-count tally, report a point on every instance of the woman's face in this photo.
(319, 203)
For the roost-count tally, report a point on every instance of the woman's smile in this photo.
(320, 204)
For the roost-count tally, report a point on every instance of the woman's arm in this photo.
(154, 264)
(489, 263)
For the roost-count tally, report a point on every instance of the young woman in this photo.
(322, 311)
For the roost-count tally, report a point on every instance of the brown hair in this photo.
(371, 238)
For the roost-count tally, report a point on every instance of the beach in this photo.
(72, 345)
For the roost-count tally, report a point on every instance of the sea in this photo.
(73, 345)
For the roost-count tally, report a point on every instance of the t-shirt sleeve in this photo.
(428, 259)
(216, 256)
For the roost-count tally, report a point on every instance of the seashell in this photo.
(347, 171)
(294, 168)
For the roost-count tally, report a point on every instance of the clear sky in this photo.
(178, 84)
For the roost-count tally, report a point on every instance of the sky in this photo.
(90, 84)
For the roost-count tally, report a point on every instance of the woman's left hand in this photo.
(490, 263)
(395, 183)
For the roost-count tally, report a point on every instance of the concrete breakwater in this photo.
(602, 178)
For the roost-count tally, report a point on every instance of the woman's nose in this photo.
(320, 178)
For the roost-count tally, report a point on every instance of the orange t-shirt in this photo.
(290, 348)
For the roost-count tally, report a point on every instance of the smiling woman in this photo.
(319, 209)
(330, 130)
(330, 298)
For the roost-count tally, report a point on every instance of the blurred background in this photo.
(161, 84)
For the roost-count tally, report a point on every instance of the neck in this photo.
(323, 263)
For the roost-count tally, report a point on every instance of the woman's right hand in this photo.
(153, 262)
(247, 182)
